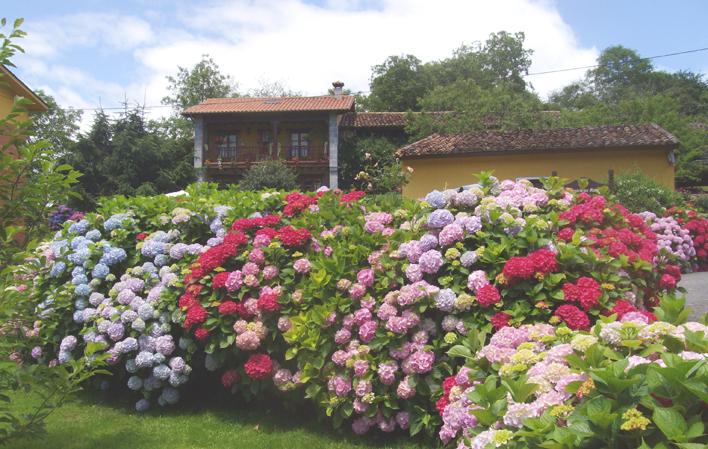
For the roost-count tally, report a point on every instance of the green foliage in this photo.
(57, 125)
(269, 175)
(370, 164)
(32, 180)
(403, 83)
(192, 86)
(639, 193)
(130, 156)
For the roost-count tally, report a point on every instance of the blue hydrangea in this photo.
(100, 271)
(80, 304)
(221, 211)
(94, 235)
(79, 228)
(64, 357)
(152, 248)
(144, 359)
(67, 343)
(57, 269)
(115, 331)
(77, 271)
(445, 299)
(151, 383)
(89, 313)
(161, 371)
(114, 222)
(146, 311)
(149, 267)
(177, 251)
(103, 325)
(78, 316)
(78, 257)
(142, 405)
(130, 366)
(130, 344)
(435, 199)
(161, 260)
(135, 383)
(128, 316)
(113, 256)
(159, 358)
(428, 242)
(82, 290)
(440, 218)
(468, 258)
(177, 379)
(59, 245)
(165, 344)
(170, 395)
(80, 242)
(214, 241)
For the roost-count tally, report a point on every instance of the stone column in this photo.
(199, 146)
(333, 144)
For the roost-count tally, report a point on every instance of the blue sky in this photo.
(92, 52)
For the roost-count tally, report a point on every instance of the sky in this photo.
(98, 53)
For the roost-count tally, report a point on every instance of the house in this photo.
(231, 134)
(12, 87)
(597, 152)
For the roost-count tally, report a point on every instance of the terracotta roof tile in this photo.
(370, 120)
(520, 141)
(271, 104)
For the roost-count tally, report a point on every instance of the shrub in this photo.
(269, 175)
(624, 384)
(638, 193)
(371, 164)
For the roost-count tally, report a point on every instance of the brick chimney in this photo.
(338, 85)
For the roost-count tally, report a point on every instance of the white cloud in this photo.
(304, 46)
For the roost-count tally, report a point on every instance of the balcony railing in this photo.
(247, 155)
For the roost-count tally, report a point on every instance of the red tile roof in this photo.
(523, 141)
(272, 104)
(387, 120)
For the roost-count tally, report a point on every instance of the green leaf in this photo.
(460, 351)
(670, 422)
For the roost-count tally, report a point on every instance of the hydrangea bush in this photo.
(624, 384)
(353, 301)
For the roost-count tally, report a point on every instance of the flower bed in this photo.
(352, 301)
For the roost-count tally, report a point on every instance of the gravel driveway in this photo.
(696, 285)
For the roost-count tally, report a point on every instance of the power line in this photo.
(570, 69)
(598, 65)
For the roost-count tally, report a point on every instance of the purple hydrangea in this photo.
(440, 218)
(431, 261)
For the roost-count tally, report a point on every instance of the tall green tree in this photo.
(194, 85)
(58, 126)
(397, 84)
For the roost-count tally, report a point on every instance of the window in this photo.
(227, 146)
(299, 144)
(266, 137)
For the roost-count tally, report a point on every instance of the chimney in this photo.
(338, 85)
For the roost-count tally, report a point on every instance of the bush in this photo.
(349, 300)
(638, 193)
(269, 175)
(624, 384)
(370, 164)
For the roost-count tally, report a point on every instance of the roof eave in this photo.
(666, 146)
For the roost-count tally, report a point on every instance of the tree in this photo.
(370, 164)
(397, 84)
(132, 156)
(620, 70)
(192, 86)
(269, 175)
(58, 126)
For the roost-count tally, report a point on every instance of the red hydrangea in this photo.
(566, 234)
(268, 302)
(296, 203)
(189, 297)
(219, 280)
(196, 314)
(230, 308)
(544, 261)
(667, 282)
(573, 317)
(258, 366)
(201, 334)
(141, 236)
(586, 291)
(235, 239)
(245, 224)
(500, 320)
(622, 307)
(354, 195)
(518, 268)
(441, 404)
(292, 237)
(229, 378)
(488, 295)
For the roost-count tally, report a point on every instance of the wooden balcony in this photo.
(243, 157)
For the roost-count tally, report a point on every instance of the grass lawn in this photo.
(94, 422)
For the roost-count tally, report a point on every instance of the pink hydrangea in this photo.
(476, 280)
(234, 281)
(367, 331)
(387, 372)
(366, 277)
(405, 390)
(420, 362)
(450, 234)
(341, 386)
(302, 266)
(250, 268)
(270, 272)
(342, 336)
(361, 367)
(431, 261)
(248, 341)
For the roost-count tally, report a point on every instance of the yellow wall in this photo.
(7, 99)
(250, 135)
(456, 171)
